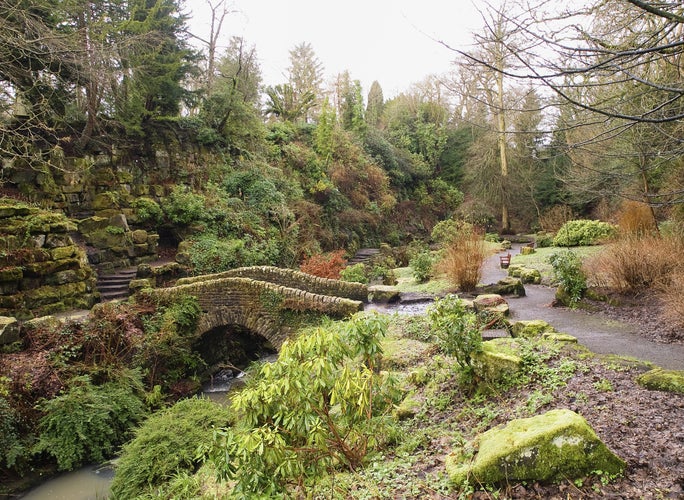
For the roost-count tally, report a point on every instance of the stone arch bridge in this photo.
(268, 301)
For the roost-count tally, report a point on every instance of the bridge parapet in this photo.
(270, 310)
(291, 278)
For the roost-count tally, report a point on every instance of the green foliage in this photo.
(318, 407)
(148, 211)
(583, 232)
(87, 423)
(184, 207)
(166, 353)
(355, 273)
(421, 265)
(165, 445)
(13, 450)
(567, 270)
(457, 330)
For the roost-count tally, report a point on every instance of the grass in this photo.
(540, 258)
(406, 283)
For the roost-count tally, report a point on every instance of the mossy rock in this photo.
(491, 305)
(9, 330)
(399, 353)
(140, 284)
(525, 274)
(105, 201)
(65, 252)
(498, 359)
(11, 274)
(530, 329)
(408, 408)
(526, 250)
(139, 236)
(557, 445)
(659, 379)
(382, 294)
(509, 285)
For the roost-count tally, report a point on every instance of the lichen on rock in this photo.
(659, 379)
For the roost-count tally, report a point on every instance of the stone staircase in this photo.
(115, 286)
(363, 255)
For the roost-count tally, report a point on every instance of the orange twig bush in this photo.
(462, 260)
(634, 264)
(326, 265)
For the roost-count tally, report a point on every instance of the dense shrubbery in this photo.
(165, 445)
(355, 273)
(13, 449)
(584, 232)
(88, 423)
(421, 264)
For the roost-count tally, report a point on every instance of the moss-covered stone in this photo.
(498, 359)
(557, 445)
(9, 330)
(105, 201)
(506, 286)
(526, 250)
(408, 408)
(139, 236)
(64, 252)
(140, 284)
(530, 329)
(11, 274)
(382, 294)
(525, 274)
(659, 379)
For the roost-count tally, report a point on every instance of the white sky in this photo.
(392, 41)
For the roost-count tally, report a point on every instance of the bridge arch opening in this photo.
(229, 349)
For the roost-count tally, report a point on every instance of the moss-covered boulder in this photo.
(408, 408)
(559, 444)
(383, 294)
(9, 330)
(498, 359)
(659, 379)
(525, 274)
(530, 329)
(506, 286)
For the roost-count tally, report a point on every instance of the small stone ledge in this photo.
(659, 379)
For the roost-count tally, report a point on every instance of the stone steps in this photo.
(363, 255)
(115, 286)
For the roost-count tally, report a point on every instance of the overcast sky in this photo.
(392, 41)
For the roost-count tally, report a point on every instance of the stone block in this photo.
(139, 236)
(499, 359)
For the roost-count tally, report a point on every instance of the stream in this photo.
(600, 334)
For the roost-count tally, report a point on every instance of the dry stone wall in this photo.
(42, 270)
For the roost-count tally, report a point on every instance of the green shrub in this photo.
(320, 406)
(87, 423)
(210, 254)
(567, 270)
(184, 207)
(148, 211)
(165, 445)
(543, 240)
(355, 273)
(421, 265)
(456, 329)
(13, 451)
(583, 232)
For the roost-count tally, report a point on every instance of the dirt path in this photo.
(596, 331)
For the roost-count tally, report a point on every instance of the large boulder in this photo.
(557, 445)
